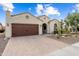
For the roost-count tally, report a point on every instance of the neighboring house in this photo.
(1, 26)
(25, 24)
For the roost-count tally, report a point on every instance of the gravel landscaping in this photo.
(2, 43)
(67, 40)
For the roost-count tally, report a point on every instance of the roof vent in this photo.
(45, 18)
(27, 16)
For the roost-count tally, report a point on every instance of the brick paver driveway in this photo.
(32, 45)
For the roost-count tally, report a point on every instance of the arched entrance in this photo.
(78, 27)
(55, 28)
(44, 28)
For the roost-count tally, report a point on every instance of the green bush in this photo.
(64, 31)
(55, 31)
(1, 31)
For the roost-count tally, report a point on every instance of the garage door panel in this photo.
(24, 29)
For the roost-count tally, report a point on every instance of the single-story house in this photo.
(25, 24)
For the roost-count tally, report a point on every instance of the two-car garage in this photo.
(24, 29)
(23, 24)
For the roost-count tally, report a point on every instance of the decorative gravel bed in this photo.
(68, 39)
(2, 43)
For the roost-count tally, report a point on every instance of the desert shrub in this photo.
(56, 31)
(1, 31)
(65, 31)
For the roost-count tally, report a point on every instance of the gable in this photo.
(44, 18)
(24, 18)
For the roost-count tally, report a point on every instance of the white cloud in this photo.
(46, 9)
(73, 10)
(47, 5)
(7, 6)
(39, 6)
(39, 12)
(77, 7)
(39, 9)
(52, 11)
(30, 9)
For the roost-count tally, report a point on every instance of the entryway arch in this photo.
(44, 28)
(55, 29)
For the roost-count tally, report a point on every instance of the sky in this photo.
(52, 10)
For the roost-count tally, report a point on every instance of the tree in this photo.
(72, 19)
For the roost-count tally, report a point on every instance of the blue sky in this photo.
(54, 10)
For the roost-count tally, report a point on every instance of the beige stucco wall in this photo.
(0, 27)
(45, 20)
(51, 28)
(31, 20)
(21, 19)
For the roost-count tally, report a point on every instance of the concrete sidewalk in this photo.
(72, 50)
